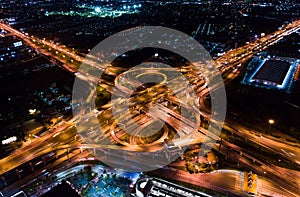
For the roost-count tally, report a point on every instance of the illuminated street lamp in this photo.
(271, 121)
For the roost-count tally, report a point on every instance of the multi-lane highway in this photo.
(46, 143)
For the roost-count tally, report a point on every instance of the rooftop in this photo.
(273, 71)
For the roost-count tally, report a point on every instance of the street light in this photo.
(271, 121)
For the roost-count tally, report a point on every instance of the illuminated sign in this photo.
(17, 44)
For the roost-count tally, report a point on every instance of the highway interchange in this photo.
(228, 64)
